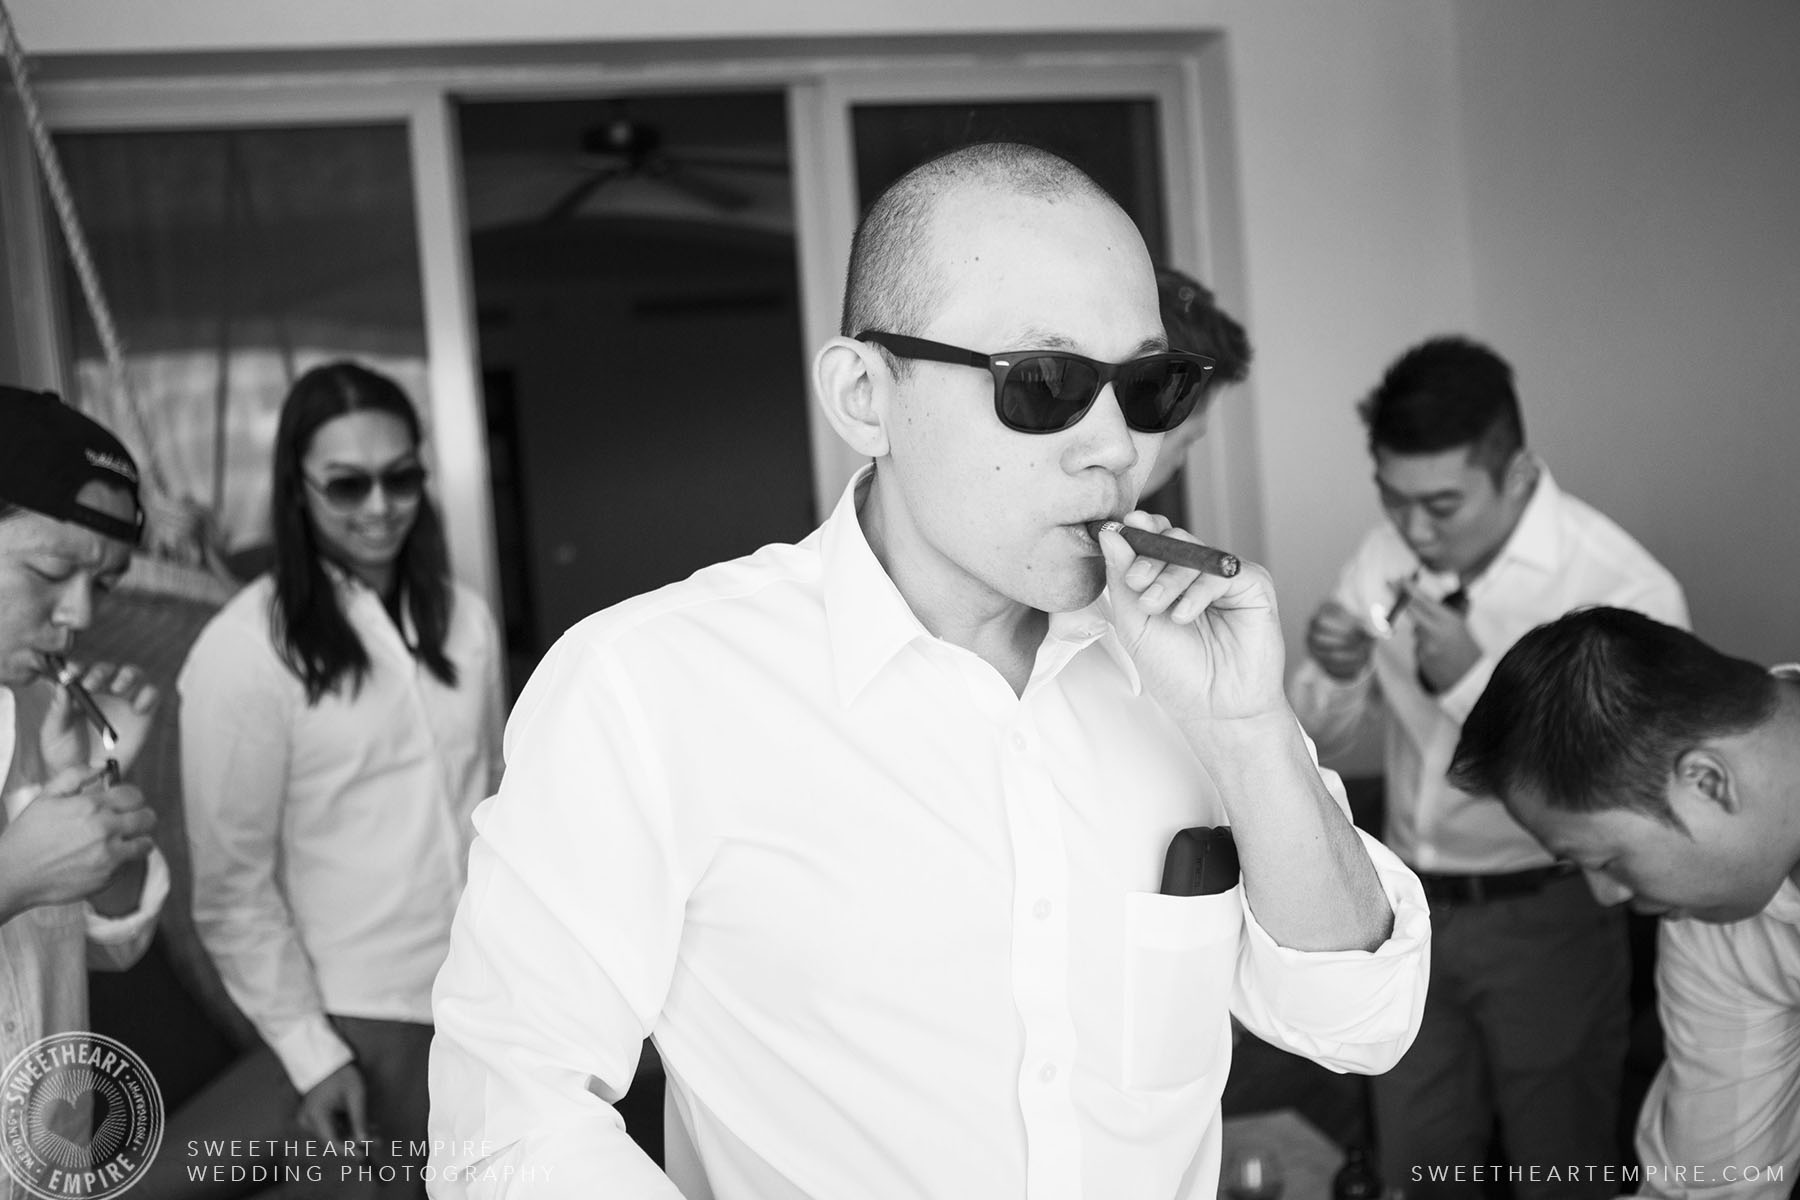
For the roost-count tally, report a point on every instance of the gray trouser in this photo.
(1525, 1024)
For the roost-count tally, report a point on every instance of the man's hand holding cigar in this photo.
(1209, 649)
(93, 704)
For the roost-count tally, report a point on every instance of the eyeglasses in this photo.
(349, 491)
(1044, 391)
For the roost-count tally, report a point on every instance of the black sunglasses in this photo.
(1044, 391)
(351, 489)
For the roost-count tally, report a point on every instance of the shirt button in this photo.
(1041, 909)
(1018, 741)
(1048, 1073)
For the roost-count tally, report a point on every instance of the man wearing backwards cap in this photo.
(80, 880)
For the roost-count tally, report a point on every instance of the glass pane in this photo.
(233, 260)
(642, 359)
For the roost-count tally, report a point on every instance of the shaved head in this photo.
(896, 279)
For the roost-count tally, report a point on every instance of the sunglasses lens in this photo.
(404, 483)
(1043, 394)
(348, 491)
(1157, 394)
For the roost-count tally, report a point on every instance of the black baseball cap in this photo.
(49, 452)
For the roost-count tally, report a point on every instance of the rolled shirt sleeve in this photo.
(1336, 712)
(1350, 1010)
(115, 943)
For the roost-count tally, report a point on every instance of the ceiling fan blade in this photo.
(731, 158)
(575, 197)
(721, 196)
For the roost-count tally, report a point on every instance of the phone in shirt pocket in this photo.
(1181, 949)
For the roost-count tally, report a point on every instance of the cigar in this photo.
(66, 676)
(1384, 622)
(1173, 551)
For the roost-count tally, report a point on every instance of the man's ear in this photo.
(1703, 776)
(852, 384)
(1520, 474)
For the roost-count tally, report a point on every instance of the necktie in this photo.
(1457, 601)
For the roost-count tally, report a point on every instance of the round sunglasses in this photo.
(1045, 391)
(351, 490)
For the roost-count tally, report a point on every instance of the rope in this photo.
(64, 204)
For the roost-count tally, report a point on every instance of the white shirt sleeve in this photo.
(1725, 1098)
(114, 943)
(1336, 712)
(562, 950)
(1349, 1010)
(234, 766)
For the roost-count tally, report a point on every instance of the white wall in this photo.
(1356, 243)
(1634, 198)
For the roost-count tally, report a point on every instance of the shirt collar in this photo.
(1085, 626)
(353, 590)
(866, 618)
(8, 732)
(869, 622)
(1784, 906)
(1536, 540)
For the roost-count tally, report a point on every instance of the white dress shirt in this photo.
(45, 952)
(329, 840)
(894, 927)
(1727, 1097)
(1562, 555)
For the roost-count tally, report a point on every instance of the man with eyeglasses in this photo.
(1526, 1021)
(867, 832)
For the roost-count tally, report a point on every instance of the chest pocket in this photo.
(1180, 960)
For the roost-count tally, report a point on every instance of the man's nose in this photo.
(1417, 527)
(1606, 889)
(75, 606)
(1102, 438)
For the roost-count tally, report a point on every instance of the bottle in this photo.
(1356, 1179)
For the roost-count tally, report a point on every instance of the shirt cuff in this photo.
(116, 931)
(1350, 1010)
(1358, 682)
(310, 1050)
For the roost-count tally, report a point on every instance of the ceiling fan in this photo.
(623, 151)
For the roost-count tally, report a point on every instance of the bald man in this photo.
(868, 831)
